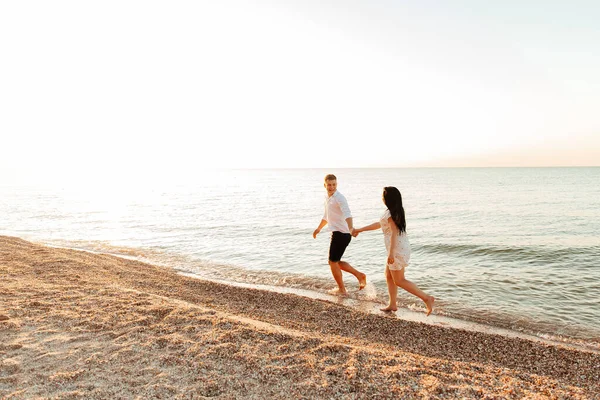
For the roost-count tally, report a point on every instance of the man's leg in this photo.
(336, 271)
(362, 278)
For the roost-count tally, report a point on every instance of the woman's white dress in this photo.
(402, 251)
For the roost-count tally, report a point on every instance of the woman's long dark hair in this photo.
(393, 200)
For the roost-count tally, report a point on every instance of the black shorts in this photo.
(339, 242)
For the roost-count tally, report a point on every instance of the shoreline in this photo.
(79, 324)
(361, 303)
(406, 314)
(551, 328)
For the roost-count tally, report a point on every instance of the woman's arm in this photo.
(372, 227)
(394, 242)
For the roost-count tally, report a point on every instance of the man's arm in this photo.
(350, 224)
(321, 225)
(346, 213)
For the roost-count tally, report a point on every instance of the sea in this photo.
(516, 249)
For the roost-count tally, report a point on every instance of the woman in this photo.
(393, 224)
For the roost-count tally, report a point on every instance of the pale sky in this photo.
(129, 88)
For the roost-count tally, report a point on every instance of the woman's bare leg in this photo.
(392, 291)
(410, 287)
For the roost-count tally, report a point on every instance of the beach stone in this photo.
(3, 317)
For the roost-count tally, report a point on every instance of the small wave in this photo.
(234, 273)
(106, 248)
(538, 254)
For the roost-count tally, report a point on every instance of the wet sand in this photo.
(80, 325)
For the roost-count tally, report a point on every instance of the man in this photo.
(337, 215)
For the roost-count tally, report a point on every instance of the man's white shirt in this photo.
(336, 212)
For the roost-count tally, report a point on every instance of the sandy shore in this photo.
(80, 325)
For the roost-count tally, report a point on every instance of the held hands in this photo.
(353, 232)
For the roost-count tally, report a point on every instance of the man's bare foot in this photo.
(389, 309)
(429, 304)
(338, 292)
(362, 282)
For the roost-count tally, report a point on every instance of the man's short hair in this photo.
(330, 177)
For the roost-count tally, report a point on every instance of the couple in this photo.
(393, 223)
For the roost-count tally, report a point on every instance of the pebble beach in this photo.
(76, 324)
